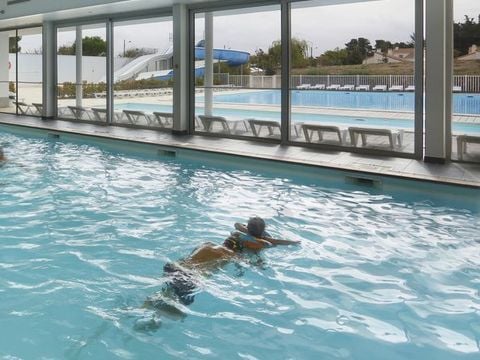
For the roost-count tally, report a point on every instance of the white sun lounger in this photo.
(347, 87)
(319, 87)
(304, 87)
(271, 125)
(462, 141)
(134, 117)
(165, 120)
(79, 112)
(38, 108)
(209, 121)
(310, 129)
(380, 88)
(410, 88)
(395, 137)
(363, 88)
(396, 88)
(333, 87)
(457, 89)
(23, 107)
(100, 115)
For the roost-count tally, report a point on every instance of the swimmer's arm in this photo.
(281, 242)
(269, 241)
(241, 227)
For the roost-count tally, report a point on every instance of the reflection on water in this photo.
(86, 232)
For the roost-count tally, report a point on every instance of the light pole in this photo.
(124, 44)
(311, 49)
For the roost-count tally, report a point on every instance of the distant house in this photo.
(392, 56)
(473, 54)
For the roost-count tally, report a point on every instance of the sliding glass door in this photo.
(82, 72)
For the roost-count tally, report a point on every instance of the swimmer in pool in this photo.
(182, 276)
(3, 158)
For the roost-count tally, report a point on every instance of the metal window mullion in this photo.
(419, 78)
(191, 62)
(448, 78)
(16, 70)
(285, 72)
(110, 70)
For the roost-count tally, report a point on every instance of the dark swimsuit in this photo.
(181, 282)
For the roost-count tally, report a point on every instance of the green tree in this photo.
(466, 34)
(334, 57)
(383, 46)
(358, 50)
(270, 62)
(91, 46)
(13, 43)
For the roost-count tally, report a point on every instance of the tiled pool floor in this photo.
(455, 173)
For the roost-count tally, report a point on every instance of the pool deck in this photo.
(454, 173)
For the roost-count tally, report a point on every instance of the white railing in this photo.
(467, 83)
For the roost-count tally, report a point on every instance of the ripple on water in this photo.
(86, 232)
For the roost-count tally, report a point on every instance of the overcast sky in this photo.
(324, 27)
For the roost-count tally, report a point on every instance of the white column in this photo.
(79, 55)
(438, 74)
(181, 66)
(208, 63)
(4, 70)
(48, 70)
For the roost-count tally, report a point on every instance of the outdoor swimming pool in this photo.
(241, 113)
(386, 273)
(390, 101)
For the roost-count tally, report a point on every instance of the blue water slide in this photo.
(231, 57)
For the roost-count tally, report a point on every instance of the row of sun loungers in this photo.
(364, 87)
(311, 132)
(133, 117)
(350, 87)
(273, 130)
(259, 128)
(136, 93)
(26, 109)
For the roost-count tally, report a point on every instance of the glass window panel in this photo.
(466, 81)
(352, 74)
(79, 97)
(30, 71)
(143, 76)
(8, 77)
(237, 81)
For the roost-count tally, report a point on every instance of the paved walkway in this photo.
(452, 173)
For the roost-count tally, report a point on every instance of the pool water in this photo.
(87, 228)
(389, 101)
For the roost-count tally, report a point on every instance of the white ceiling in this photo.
(38, 11)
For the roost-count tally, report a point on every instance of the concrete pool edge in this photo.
(167, 140)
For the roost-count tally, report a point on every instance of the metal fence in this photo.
(463, 83)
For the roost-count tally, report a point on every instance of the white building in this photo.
(473, 54)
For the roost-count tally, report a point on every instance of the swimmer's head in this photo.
(256, 226)
(2, 155)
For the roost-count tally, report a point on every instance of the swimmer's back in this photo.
(207, 255)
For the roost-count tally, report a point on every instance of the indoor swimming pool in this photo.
(386, 269)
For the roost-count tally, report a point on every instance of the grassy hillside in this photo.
(461, 68)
